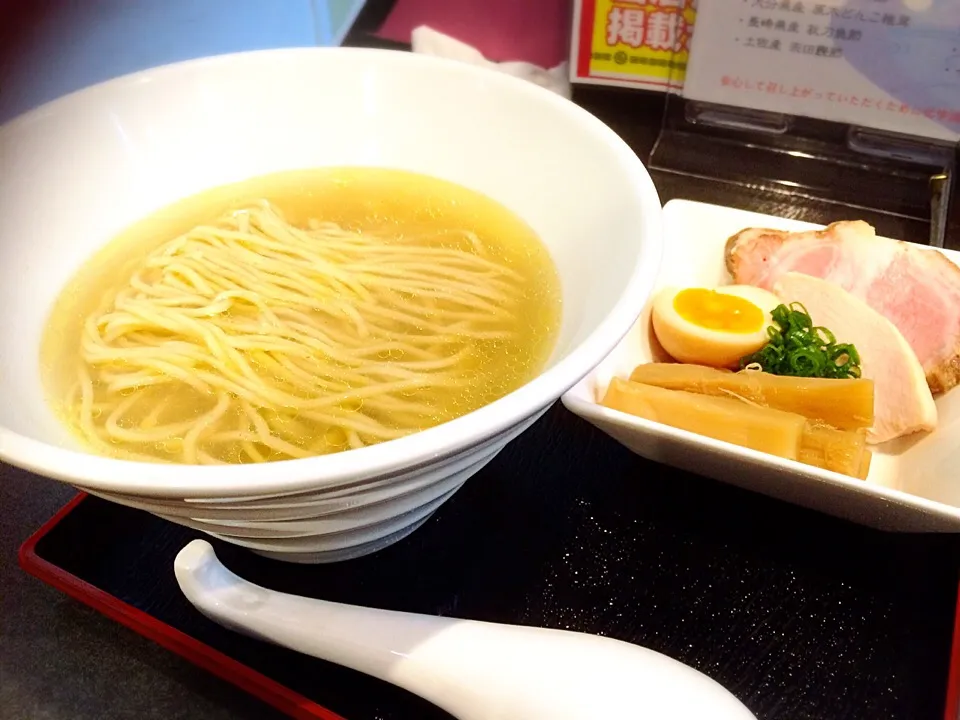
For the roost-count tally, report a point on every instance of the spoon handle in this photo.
(473, 670)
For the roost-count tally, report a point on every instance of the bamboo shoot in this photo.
(841, 451)
(727, 419)
(843, 404)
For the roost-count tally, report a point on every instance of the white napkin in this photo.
(427, 41)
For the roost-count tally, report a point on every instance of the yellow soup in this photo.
(297, 314)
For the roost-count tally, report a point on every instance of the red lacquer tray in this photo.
(244, 677)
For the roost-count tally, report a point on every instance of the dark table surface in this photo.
(59, 659)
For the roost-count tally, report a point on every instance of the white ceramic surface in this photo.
(913, 483)
(473, 670)
(75, 172)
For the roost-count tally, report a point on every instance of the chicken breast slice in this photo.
(903, 403)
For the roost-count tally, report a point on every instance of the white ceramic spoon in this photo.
(473, 670)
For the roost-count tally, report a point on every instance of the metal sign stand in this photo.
(858, 167)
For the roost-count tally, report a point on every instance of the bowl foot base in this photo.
(348, 553)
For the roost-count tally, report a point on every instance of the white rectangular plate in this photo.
(914, 483)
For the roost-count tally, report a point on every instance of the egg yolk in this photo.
(712, 310)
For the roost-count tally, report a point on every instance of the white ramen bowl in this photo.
(79, 170)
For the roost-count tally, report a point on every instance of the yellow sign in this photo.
(642, 43)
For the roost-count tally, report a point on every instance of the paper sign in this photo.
(634, 43)
(885, 64)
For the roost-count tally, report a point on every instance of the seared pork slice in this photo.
(914, 287)
(903, 403)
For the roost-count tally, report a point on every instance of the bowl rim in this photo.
(400, 456)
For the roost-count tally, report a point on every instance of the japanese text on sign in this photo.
(886, 64)
(635, 42)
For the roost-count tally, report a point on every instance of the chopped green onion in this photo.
(799, 349)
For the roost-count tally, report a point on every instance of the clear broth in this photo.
(362, 199)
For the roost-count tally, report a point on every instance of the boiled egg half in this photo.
(713, 326)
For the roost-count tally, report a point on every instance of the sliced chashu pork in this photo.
(903, 403)
(915, 288)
